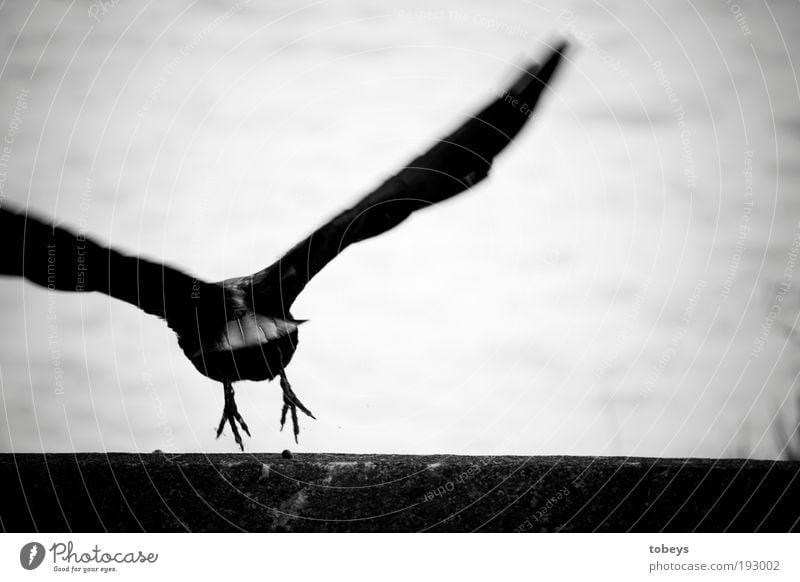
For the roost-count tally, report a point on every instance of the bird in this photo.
(242, 328)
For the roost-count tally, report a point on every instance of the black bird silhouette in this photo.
(242, 328)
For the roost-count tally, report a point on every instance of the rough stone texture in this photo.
(378, 493)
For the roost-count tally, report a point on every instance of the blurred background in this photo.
(625, 283)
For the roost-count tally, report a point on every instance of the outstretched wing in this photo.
(57, 258)
(451, 166)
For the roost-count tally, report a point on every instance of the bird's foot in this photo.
(230, 414)
(292, 402)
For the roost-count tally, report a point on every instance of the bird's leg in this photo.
(231, 414)
(291, 402)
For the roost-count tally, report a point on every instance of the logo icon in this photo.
(31, 555)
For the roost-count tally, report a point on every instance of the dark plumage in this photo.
(242, 328)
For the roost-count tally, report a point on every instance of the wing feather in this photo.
(451, 166)
(57, 258)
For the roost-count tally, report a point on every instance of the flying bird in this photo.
(242, 328)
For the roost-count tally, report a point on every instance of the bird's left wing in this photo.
(60, 259)
(451, 166)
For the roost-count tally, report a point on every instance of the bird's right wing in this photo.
(451, 166)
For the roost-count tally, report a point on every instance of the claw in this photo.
(295, 424)
(230, 414)
(283, 414)
(292, 402)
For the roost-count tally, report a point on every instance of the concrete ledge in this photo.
(379, 493)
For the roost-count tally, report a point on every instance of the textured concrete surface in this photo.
(379, 493)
